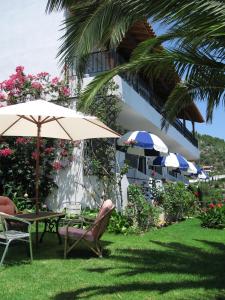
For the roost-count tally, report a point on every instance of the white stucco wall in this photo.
(28, 37)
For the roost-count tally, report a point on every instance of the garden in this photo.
(181, 261)
(168, 248)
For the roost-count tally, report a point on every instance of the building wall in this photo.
(28, 37)
(138, 114)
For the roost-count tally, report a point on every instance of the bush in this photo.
(177, 201)
(213, 216)
(18, 155)
(141, 214)
(119, 223)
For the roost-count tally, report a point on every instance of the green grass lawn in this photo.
(182, 261)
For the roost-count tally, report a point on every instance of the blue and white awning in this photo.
(142, 143)
(172, 160)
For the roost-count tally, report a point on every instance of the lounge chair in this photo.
(91, 236)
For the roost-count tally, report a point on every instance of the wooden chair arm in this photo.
(75, 221)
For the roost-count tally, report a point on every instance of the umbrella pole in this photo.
(37, 175)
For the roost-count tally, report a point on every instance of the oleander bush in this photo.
(213, 216)
(141, 214)
(18, 155)
(177, 201)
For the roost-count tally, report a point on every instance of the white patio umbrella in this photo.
(41, 118)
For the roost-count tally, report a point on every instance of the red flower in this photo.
(21, 140)
(36, 85)
(34, 155)
(6, 152)
(49, 150)
(196, 194)
(19, 69)
(219, 205)
(211, 205)
(55, 81)
(131, 142)
(42, 74)
(64, 152)
(57, 165)
(65, 91)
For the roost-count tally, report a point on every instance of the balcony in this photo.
(99, 62)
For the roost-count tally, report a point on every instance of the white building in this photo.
(142, 103)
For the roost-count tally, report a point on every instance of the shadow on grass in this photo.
(18, 251)
(174, 259)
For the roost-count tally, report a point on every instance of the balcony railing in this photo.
(99, 62)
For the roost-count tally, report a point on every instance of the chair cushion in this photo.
(99, 229)
(76, 233)
(7, 206)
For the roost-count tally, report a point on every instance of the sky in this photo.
(217, 127)
(30, 38)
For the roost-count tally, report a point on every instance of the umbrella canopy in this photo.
(55, 122)
(41, 118)
(203, 175)
(142, 143)
(172, 160)
(192, 169)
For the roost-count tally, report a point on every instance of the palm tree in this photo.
(195, 45)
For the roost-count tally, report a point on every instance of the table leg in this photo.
(36, 234)
(43, 233)
(57, 230)
(52, 226)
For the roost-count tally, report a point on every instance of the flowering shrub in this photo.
(18, 155)
(177, 201)
(140, 214)
(21, 87)
(214, 215)
(130, 143)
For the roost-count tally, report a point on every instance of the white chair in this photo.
(7, 236)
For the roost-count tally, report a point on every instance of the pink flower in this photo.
(36, 85)
(31, 77)
(6, 152)
(64, 152)
(19, 69)
(49, 150)
(65, 91)
(57, 165)
(21, 140)
(42, 74)
(130, 143)
(3, 96)
(55, 80)
(34, 155)
(219, 205)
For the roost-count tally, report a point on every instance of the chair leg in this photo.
(31, 251)
(65, 246)
(99, 249)
(4, 253)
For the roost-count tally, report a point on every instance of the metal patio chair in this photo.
(91, 236)
(7, 236)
